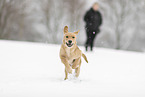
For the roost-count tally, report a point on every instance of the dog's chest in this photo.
(69, 54)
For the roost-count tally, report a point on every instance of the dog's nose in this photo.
(70, 41)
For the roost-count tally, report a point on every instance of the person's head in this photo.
(95, 6)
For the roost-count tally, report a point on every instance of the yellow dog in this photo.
(70, 54)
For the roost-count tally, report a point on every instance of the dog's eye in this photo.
(66, 36)
(73, 37)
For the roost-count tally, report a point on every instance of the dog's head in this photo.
(69, 38)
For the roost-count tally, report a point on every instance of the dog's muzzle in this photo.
(69, 44)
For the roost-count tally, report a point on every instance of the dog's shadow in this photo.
(74, 80)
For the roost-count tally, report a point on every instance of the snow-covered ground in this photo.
(35, 70)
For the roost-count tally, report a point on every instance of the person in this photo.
(93, 19)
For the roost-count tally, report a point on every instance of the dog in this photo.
(70, 54)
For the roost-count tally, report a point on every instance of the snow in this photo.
(35, 70)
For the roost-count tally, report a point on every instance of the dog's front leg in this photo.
(76, 63)
(66, 75)
(67, 66)
(77, 70)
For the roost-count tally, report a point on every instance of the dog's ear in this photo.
(65, 29)
(77, 32)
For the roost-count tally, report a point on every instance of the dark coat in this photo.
(93, 19)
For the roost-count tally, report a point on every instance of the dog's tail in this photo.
(84, 56)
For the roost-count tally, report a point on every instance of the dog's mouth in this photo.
(69, 44)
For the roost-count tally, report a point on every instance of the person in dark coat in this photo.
(93, 19)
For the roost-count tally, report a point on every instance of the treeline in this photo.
(43, 21)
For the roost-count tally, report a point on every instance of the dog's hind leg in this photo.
(76, 63)
(66, 75)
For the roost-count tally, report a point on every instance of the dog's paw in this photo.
(65, 78)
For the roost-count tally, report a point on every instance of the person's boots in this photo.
(86, 48)
(91, 48)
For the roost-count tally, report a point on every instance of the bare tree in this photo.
(58, 14)
(16, 20)
(121, 20)
(6, 10)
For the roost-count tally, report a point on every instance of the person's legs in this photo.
(92, 42)
(94, 33)
(87, 43)
(88, 39)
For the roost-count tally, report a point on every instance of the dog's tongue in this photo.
(69, 44)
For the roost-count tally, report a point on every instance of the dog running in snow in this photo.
(70, 54)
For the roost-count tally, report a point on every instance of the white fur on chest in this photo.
(68, 52)
(70, 60)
